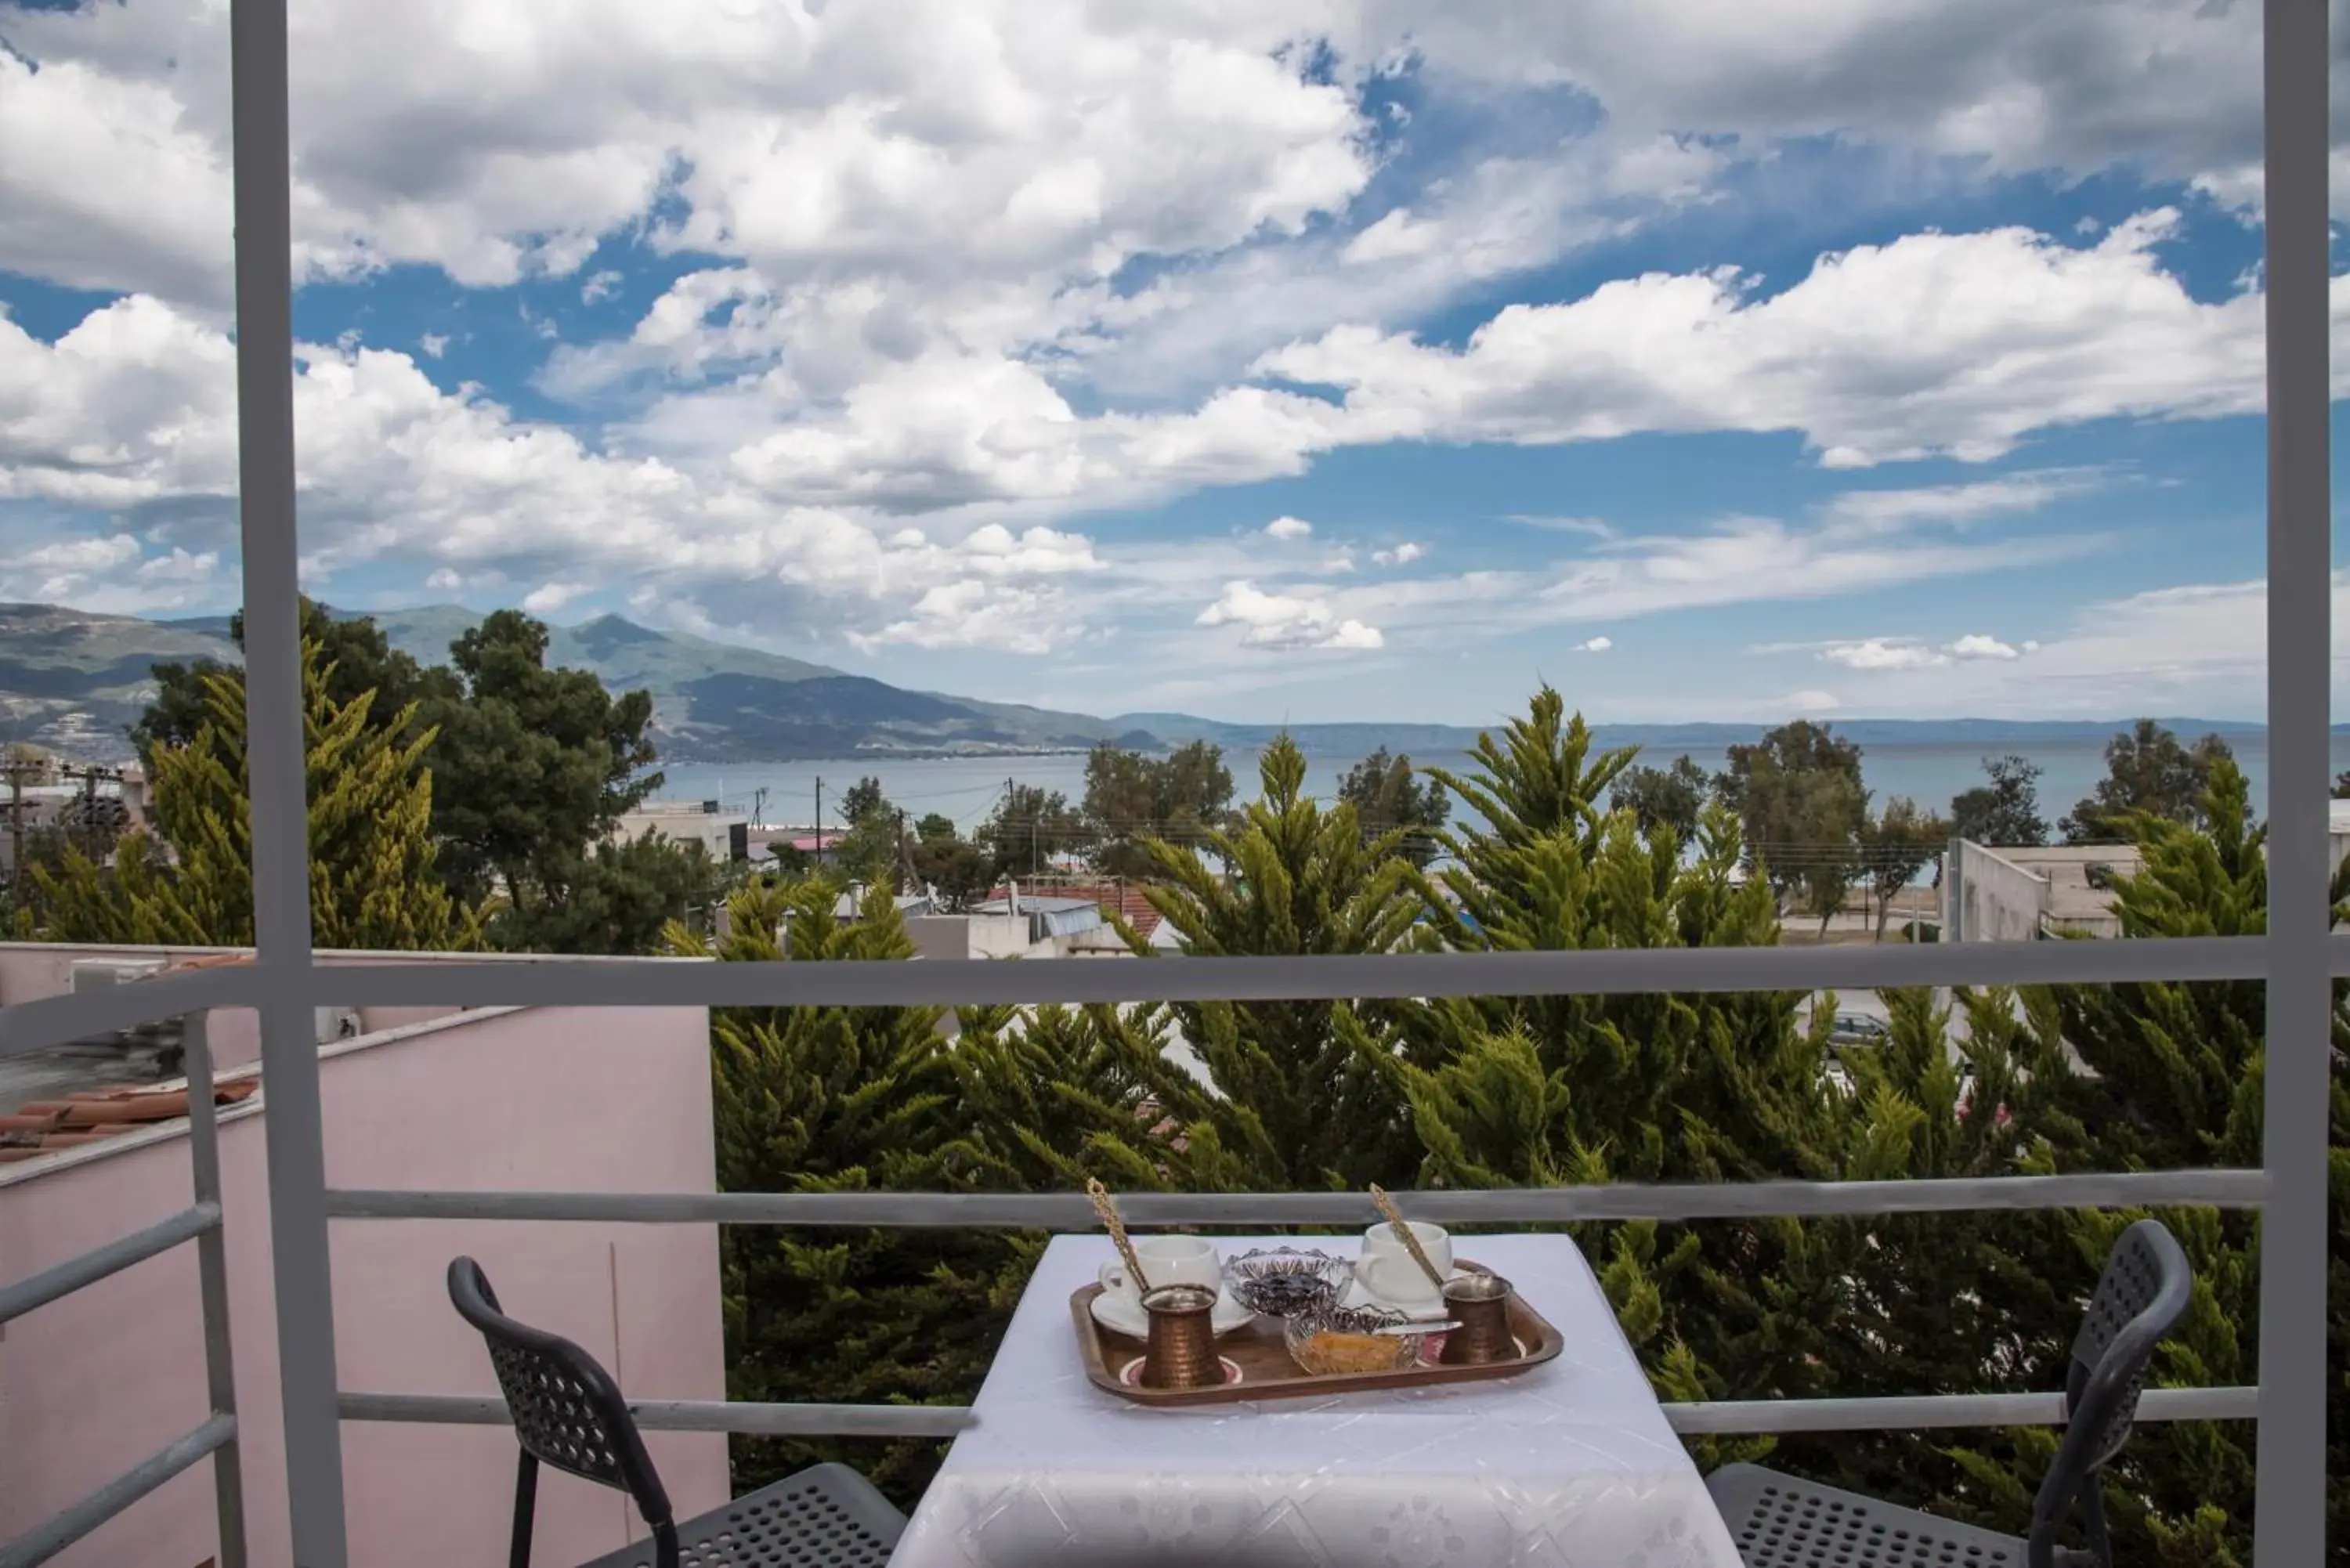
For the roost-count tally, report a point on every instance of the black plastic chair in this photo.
(568, 1413)
(1781, 1521)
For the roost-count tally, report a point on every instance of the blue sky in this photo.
(1709, 358)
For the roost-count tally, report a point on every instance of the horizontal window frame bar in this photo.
(1926, 1412)
(740, 1416)
(2225, 1189)
(573, 980)
(935, 983)
(1705, 1418)
(45, 1540)
(37, 1291)
(46, 1022)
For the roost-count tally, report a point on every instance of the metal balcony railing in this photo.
(2298, 960)
(199, 1222)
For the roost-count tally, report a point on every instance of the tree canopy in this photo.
(535, 765)
(1298, 1104)
(872, 850)
(531, 767)
(1132, 798)
(374, 880)
(1895, 844)
(1387, 795)
(1029, 827)
(2149, 771)
(2005, 809)
(353, 650)
(1664, 800)
(1797, 793)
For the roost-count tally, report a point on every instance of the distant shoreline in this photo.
(1365, 738)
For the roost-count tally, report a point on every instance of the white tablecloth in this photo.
(1569, 1464)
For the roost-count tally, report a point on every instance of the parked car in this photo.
(1859, 1029)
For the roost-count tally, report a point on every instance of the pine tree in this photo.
(1711, 1088)
(1295, 1104)
(1553, 871)
(2176, 1082)
(371, 851)
(837, 1099)
(1553, 1090)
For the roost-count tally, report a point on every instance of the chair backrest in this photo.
(567, 1411)
(2142, 1294)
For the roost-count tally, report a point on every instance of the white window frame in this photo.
(2298, 959)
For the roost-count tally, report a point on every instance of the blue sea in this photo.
(967, 788)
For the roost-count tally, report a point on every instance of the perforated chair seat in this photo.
(827, 1516)
(1784, 1521)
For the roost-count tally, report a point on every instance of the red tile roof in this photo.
(38, 1128)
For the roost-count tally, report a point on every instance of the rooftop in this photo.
(38, 1128)
(1126, 900)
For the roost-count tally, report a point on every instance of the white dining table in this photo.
(1568, 1465)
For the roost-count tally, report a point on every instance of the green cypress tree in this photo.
(835, 1099)
(1706, 1088)
(2175, 1081)
(372, 856)
(1295, 1103)
(839, 1099)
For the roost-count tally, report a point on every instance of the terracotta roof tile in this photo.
(42, 1126)
(1124, 899)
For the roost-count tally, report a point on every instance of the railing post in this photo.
(275, 767)
(2288, 1510)
(212, 1276)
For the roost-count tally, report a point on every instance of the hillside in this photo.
(73, 680)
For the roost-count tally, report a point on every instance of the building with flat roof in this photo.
(725, 835)
(2010, 893)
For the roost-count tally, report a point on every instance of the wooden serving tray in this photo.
(1268, 1373)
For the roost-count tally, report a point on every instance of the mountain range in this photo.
(73, 680)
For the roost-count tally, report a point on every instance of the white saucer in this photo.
(1124, 1315)
(1358, 1294)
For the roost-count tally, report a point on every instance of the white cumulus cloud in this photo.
(548, 597)
(1876, 654)
(1289, 528)
(1287, 621)
(1934, 344)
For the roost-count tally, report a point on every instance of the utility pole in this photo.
(16, 766)
(759, 807)
(90, 811)
(819, 823)
(1011, 793)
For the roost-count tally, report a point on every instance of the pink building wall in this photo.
(30, 970)
(542, 1098)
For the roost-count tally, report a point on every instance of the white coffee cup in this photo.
(1166, 1260)
(1388, 1271)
